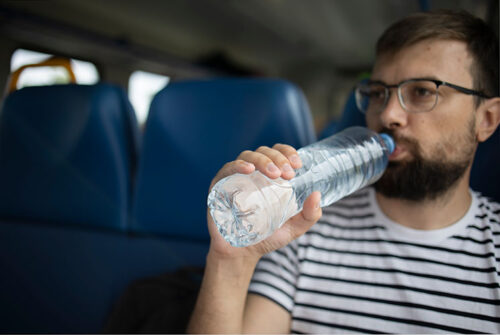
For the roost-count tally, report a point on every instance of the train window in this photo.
(85, 72)
(142, 87)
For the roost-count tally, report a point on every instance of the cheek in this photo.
(451, 143)
(438, 142)
(373, 123)
(429, 134)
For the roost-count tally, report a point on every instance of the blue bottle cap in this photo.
(389, 142)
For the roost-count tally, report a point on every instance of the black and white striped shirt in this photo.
(358, 271)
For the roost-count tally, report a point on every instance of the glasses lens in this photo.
(419, 96)
(370, 98)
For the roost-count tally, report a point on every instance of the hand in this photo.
(275, 162)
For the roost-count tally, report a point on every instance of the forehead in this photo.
(446, 60)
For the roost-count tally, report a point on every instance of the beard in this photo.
(423, 178)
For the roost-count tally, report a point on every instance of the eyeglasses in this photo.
(414, 95)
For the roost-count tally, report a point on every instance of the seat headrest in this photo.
(195, 127)
(485, 173)
(67, 153)
(351, 116)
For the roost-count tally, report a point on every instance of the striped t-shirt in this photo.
(358, 271)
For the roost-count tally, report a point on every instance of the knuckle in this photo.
(262, 148)
(278, 146)
(238, 161)
(245, 153)
(290, 150)
(230, 165)
(227, 165)
(282, 160)
(286, 149)
(263, 159)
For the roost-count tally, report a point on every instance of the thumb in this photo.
(303, 221)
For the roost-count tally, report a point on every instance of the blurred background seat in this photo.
(67, 155)
(193, 128)
(68, 244)
(67, 158)
(350, 116)
(485, 174)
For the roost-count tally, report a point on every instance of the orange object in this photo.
(52, 61)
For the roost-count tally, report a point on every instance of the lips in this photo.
(398, 151)
(405, 146)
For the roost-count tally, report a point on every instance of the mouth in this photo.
(398, 153)
(406, 147)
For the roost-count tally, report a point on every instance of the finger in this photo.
(310, 213)
(237, 166)
(262, 163)
(280, 160)
(289, 152)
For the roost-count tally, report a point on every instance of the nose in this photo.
(393, 115)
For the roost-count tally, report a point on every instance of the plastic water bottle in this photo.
(247, 208)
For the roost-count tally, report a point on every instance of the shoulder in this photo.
(487, 212)
(487, 204)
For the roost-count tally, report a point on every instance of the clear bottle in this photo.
(249, 208)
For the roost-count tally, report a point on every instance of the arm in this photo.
(264, 316)
(223, 305)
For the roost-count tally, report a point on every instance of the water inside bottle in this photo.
(247, 208)
(339, 174)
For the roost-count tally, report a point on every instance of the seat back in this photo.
(351, 116)
(67, 155)
(485, 173)
(67, 280)
(193, 128)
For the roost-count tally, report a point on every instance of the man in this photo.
(419, 252)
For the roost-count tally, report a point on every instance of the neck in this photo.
(429, 214)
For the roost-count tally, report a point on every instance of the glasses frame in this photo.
(388, 88)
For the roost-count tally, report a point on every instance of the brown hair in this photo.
(481, 42)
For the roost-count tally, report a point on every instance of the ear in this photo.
(487, 118)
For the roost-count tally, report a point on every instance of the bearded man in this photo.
(417, 253)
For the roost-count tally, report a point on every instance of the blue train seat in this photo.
(67, 158)
(351, 116)
(57, 280)
(485, 173)
(193, 128)
(67, 154)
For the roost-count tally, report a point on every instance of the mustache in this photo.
(410, 143)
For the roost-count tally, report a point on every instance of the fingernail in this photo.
(287, 168)
(295, 159)
(272, 168)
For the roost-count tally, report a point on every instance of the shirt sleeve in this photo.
(275, 276)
